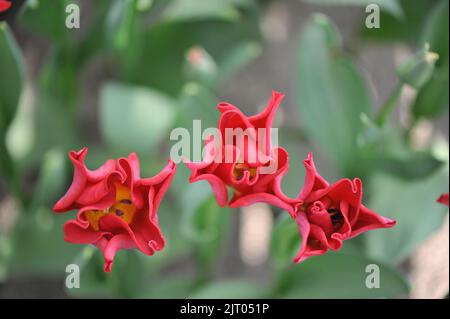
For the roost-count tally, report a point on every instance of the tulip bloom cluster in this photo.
(117, 209)
(326, 214)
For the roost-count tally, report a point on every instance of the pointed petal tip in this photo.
(309, 160)
(171, 164)
(156, 246)
(78, 155)
(108, 266)
(133, 156)
(58, 207)
(299, 259)
(225, 106)
(390, 222)
(277, 94)
(443, 199)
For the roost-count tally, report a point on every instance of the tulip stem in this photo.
(9, 172)
(389, 105)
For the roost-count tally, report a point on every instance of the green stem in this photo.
(127, 33)
(10, 174)
(8, 170)
(389, 106)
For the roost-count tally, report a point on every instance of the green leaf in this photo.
(167, 58)
(391, 6)
(417, 165)
(435, 31)
(331, 93)
(12, 68)
(47, 18)
(58, 77)
(38, 244)
(50, 113)
(194, 10)
(5, 255)
(94, 281)
(226, 289)
(163, 56)
(339, 275)
(240, 56)
(198, 103)
(126, 280)
(204, 223)
(144, 5)
(128, 274)
(134, 118)
(413, 205)
(388, 149)
(196, 216)
(51, 178)
(285, 241)
(433, 98)
(405, 28)
(94, 38)
(20, 137)
(120, 23)
(11, 65)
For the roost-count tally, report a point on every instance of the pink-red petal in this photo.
(443, 199)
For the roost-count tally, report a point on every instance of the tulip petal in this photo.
(304, 229)
(121, 241)
(217, 185)
(266, 117)
(163, 181)
(76, 232)
(313, 181)
(146, 232)
(443, 199)
(4, 5)
(83, 178)
(250, 199)
(368, 220)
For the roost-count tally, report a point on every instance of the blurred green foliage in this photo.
(330, 92)
(161, 66)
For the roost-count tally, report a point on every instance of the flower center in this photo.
(336, 217)
(123, 208)
(240, 168)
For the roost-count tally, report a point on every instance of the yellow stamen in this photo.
(240, 168)
(122, 208)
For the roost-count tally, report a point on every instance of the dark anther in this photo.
(336, 216)
(119, 212)
(125, 201)
(333, 211)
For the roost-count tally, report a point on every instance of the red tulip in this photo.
(117, 209)
(443, 199)
(327, 215)
(4, 5)
(247, 162)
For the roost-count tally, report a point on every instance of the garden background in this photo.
(138, 68)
